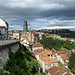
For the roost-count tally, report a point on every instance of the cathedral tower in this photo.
(25, 28)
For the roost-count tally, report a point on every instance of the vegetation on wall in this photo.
(21, 63)
(4, 72)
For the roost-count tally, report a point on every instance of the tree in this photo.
(39, 74)
(72, 63)
(21, 63)
(4, 72)
(50, 43)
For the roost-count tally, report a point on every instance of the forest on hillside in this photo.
(72, 63)
(50, 43)
(61, 32)
(21, 63)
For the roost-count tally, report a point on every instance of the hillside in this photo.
(61, 32)
(50, 43)
(21, 63)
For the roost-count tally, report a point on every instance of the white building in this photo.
(3, 29)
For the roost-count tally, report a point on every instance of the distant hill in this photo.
(62, 32)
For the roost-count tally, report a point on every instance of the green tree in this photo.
(4, 72)
(21, 63)
(72, 63)
(39, 74)
(50, 43)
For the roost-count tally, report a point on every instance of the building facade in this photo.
(16, 34)
(3, 29)
(29, 35)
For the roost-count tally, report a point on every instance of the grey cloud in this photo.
(34, 12)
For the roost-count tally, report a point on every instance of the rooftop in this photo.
(48, 60)
(55, 70)
(58, 71)
(45, 56)
(37, 44)
(46, 53)
(34, 32)
(16, 31)
(68, 53)
(64, 56)
(38, 50)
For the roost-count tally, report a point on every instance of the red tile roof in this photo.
(16, 31)
(64, 51)
(44, 55)
(61, 52)
(38, 50)
(48, 60)
(64, 56)
(68, 74)
(46, 52)
(56, 70)
(37, 44)
(34, 32)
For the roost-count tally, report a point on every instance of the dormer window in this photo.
(67, 60)
(51, 56)
(48, 55)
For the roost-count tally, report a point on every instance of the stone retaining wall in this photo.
(4, 50)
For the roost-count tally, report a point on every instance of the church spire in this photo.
(25, 28)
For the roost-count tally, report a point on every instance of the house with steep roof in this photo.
(47, 59)
(63, 56)
(36, 37)
(16, 34)
(37, 45)
(58, 71)
(37, 51)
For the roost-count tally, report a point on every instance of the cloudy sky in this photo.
(40, 14)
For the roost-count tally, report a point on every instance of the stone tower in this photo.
(25, 28)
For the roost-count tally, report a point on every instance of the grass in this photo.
(65, 48)
(62, 66)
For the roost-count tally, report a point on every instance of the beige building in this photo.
(63, 56)
(47, 59)
(37, 51)
(16, 34)
(37, 45)
(10, 34)
(30, 35)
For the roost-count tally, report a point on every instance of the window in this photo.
(48, 55)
